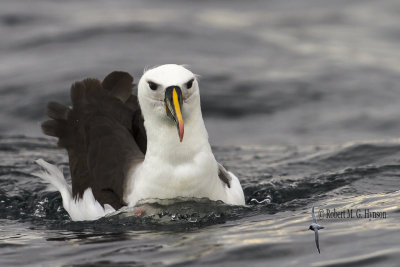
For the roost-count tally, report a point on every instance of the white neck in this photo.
(163, 139)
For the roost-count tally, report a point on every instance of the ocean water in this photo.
(301, 102)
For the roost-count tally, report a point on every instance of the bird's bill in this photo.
(173, 107)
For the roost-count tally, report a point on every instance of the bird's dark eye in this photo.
(189, 84)
(153, 86)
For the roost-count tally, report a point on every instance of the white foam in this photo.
(79, 209)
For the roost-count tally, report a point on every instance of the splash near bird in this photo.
(124, 148)
(315, 227)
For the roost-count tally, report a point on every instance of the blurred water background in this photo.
(300, 99)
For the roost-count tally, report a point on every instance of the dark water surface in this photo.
(36, 230)
(301, 100)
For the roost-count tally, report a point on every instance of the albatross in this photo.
(124, 148)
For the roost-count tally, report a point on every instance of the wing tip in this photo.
(57, 111)
(119, 84)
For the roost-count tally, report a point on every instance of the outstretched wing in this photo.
(314, 220)
(103, 133)
(317, 239)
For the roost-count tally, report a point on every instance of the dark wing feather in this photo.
(119, 84)
(224, 175)
(138, 130)
(98, 135)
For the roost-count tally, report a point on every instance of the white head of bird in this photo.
(170, 102)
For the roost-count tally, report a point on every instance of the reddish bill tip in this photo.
(181, 130)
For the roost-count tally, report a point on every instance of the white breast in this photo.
(158, 178)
